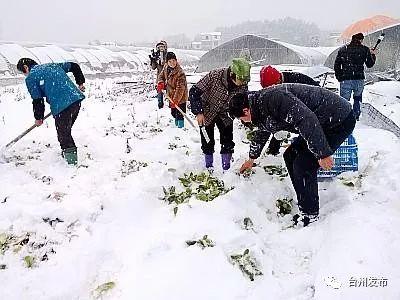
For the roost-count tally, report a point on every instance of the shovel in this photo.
(202, 128)
(380, 39)
(21, 135)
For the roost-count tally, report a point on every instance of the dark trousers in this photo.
(225, 135)
(160, 98)
(176, 114)
(64, 122)
(303, 166)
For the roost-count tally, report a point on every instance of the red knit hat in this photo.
(269, 76)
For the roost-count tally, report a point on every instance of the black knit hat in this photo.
(170, 55)
(358, 36)
(25, 62)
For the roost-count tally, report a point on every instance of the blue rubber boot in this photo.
(226, 161)
(209, 160)
(180, 123)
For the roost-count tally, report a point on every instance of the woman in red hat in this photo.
(270, 76)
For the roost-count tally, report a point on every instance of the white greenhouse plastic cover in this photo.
(127, 56)
(58, 54)
(114, 56)
(41, 54)
(138, 61)
(14, 52)
(3, 64)
(79, 57)
(93, 60)
(102, 56)
(309, 56)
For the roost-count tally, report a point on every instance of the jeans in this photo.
(356, 87)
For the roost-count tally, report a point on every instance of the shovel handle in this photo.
(380, 39)
(181, 111)
(25, 133)
(202, 129)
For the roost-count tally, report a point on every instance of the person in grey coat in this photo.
(323, 121)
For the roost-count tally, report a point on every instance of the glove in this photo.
(152, 60)
(274, 146)
(248, 125)
(160, 86)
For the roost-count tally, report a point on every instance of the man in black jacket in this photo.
(270, 76)
(323, 121)
(349, 69)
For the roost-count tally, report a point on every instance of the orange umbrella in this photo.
(367, 25)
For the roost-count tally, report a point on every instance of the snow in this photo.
(79, 57)
(308, 55)
(103, 56)
(42, 54)
(385, 96)
(97, 59)
(116, 229)
(58, 54)
(13, 52)
(384, 28)
(3, 64)
(93, 60)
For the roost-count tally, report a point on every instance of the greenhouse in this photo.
(388, 57)
(93, 59)
(261, 51)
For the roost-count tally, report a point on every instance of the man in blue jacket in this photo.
(323, 121)
(51, 81)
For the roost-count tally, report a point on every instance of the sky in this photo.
(81, 21)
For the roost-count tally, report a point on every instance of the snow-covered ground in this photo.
(385, 96)
(103, 222)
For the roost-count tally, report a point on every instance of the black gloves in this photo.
(274, 146)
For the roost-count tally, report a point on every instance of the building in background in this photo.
(209, 40)
(196, 45)
(334, 39)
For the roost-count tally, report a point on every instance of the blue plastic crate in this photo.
(346, 159)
